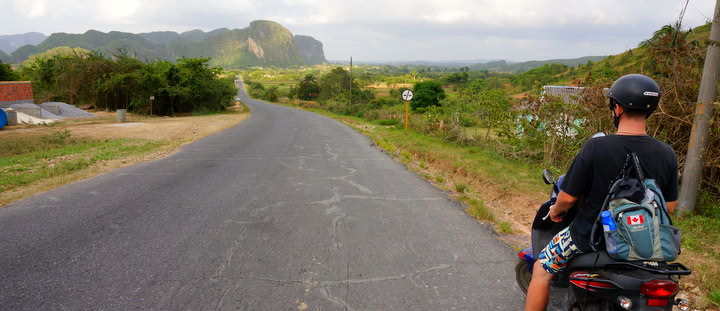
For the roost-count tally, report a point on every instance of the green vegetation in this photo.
(477, 209)
(308, 88)
(505, 227)
(7, 73)
(258, 90)
(4, 57)
(715, 297)
(427, 94)
(388, 122)
(122, 82)
(27, 160)
(461, 187)
(503, 66)
(262, 43)
(538, 77)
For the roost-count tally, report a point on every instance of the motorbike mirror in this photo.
(548, 177)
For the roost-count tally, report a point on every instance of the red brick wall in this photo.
(14, 91)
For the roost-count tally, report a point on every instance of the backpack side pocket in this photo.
(669, 242)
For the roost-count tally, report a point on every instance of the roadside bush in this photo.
(427, 94)
(121, 81)
(7, 73)
(388, 122)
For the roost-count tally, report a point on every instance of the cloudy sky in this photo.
(372, 30)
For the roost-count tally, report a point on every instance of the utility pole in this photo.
(351, 80)
(707, 97)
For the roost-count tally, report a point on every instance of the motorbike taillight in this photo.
(659, 292)
(588, 281)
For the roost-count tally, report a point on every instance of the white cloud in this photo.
(31, 8)
(117, 12)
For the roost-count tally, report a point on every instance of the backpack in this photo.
(643, 228)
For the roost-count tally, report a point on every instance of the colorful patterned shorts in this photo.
(556, 255)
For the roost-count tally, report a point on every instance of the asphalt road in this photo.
(286, 211)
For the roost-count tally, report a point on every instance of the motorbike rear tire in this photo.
(523, 275)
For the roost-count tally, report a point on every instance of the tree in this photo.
(427, 94)
(334, 83)
(308, 88)
(537, 77)
(491, 106)
(458, 77)
(7, 73)
(126, 82)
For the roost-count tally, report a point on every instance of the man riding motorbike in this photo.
(632, 98)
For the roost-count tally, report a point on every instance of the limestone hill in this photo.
(263, 43)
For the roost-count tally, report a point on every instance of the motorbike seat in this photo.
(591, 260)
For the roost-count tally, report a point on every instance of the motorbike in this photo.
(595, 281)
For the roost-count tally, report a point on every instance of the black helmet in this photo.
(635, 92)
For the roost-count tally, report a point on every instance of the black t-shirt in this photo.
(599, 163)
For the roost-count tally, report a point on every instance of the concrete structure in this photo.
(28, 109)
(11, 117)
(569, 94)
(16, 99)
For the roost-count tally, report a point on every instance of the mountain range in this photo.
(489, 65)
(10, 43)
(263, 43)
(504, 66)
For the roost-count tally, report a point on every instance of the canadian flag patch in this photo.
(635, 220)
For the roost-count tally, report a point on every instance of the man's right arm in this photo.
(671, 206)
(563, 203)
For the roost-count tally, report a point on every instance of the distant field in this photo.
(283, 86)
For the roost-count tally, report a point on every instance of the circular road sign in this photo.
(407, 95)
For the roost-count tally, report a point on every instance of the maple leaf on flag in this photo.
(635, 220)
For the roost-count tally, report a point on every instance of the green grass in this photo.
(477, 209)
(513, 175)
(461, 187)
(700, 235)
(715, 297)
(283, 86)
(388, 122)
(506, 227)
(27, 160)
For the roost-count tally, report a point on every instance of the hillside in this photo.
(310, 50)
(10, 43)
(644, 58)
(262, 43)
(4, 57)
(504, 66)
(166, 37)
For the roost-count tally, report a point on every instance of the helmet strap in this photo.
(616, 118)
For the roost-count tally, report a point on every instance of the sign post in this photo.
(407, 96)
(152, 97)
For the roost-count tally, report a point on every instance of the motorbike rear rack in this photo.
(662, 268)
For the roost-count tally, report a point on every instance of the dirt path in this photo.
(174, 131)
(105, 126)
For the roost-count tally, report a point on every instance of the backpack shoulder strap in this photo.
(635, 164)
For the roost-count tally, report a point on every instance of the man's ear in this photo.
(619, 110)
